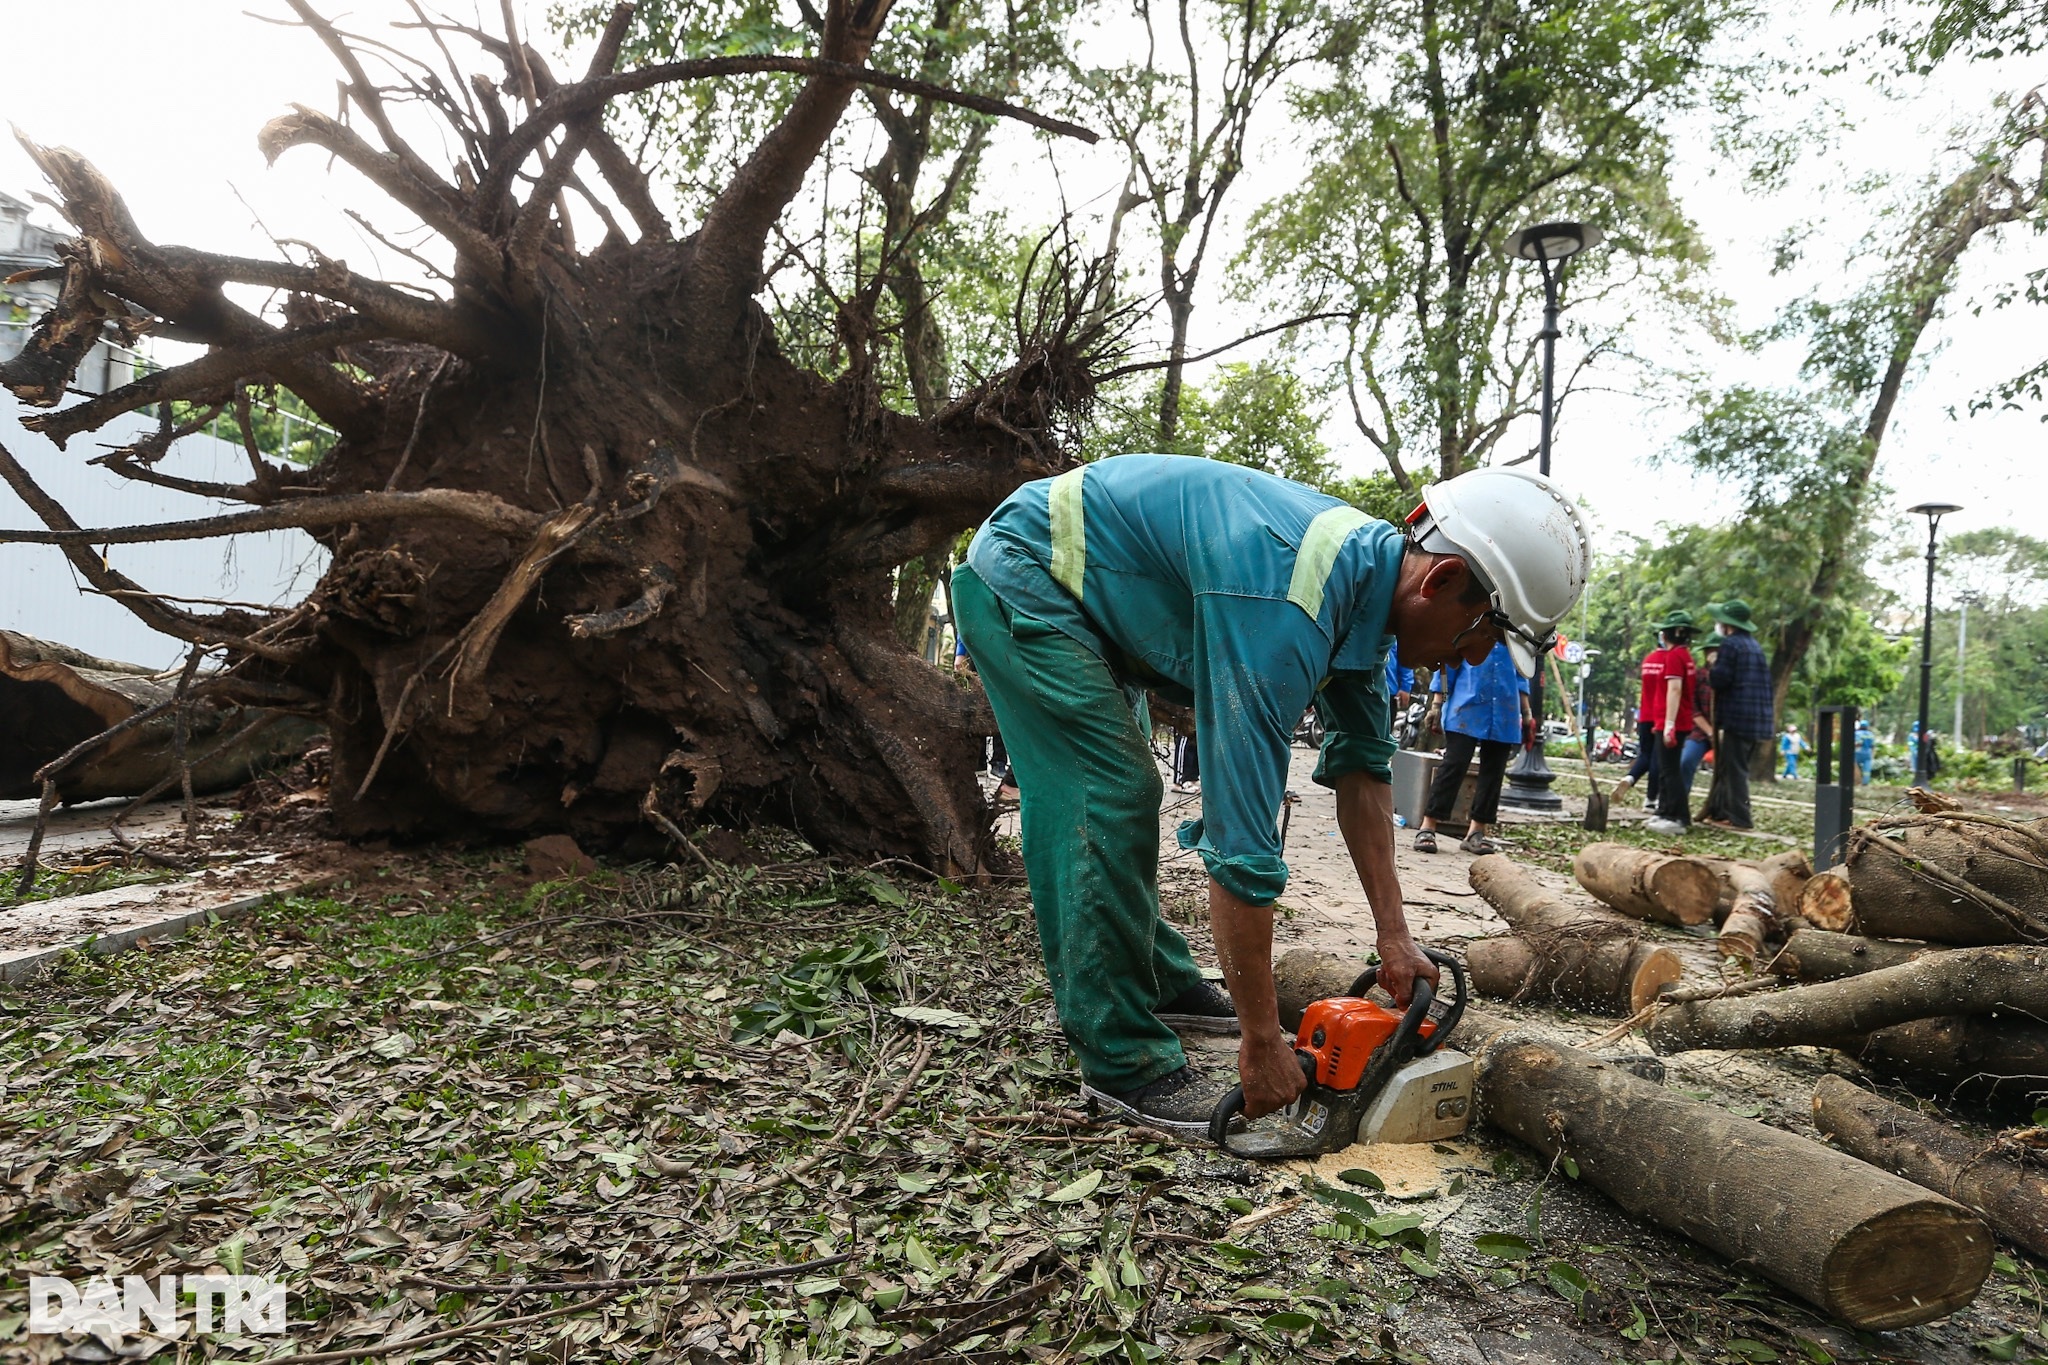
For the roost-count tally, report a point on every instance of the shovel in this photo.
(1596, 800)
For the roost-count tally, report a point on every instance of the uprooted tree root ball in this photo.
(605, 559)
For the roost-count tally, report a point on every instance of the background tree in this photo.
(1442, 126)
(606, 555)
(1806, 459)
(1184, 116)
(2005, 680)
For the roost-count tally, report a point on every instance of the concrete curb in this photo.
(25, 964)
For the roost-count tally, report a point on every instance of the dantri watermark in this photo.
(227, 1304)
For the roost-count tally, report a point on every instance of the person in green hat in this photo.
(1667, 707)
(1742, 709)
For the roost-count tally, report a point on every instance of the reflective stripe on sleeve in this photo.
(1069, 535)
(1312, 565)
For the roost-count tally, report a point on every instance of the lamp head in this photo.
(1934, 509)
(1554, 241)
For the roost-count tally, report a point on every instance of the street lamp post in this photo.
(1934, 512)
(1549, 245)
(1964, 601)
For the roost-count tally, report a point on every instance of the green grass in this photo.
(428, 1076)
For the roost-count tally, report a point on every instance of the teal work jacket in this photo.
(1241, 594)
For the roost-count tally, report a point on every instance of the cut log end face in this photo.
(1656, 968)
(1907, 1265)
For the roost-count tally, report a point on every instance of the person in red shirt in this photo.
(1667, 708)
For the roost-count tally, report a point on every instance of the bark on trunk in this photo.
(1678, 891)
(52, 697)
(1948, 878)
(1867, 1248)
(1615, 978)
(1742, 885)
(1978, 981)
(2002, 1182)
(1788, 874)
(1821, 955)
(2001, 1063)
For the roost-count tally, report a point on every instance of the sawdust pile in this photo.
(1410, 1170)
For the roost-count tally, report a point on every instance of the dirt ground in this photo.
(446, 1076)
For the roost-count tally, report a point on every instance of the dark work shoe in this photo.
(1179, 1102)
(1201, 1008)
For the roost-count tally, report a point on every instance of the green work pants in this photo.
(1090, 815)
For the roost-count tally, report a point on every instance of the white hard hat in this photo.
(1523, 538)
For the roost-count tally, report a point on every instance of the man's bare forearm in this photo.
(1365, 816)
(1244, 949)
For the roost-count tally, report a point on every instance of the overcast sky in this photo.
(170, 98)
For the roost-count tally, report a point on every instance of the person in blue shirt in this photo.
(1246, 597)
(1866, 750)
(1400, 681)
(1791, 744)
(1483, 706)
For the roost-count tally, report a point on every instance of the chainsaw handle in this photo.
(1409, 1035)
(1232, 1104)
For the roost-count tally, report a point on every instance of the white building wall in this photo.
(40, 593)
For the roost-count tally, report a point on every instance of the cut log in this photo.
(1872, 1250)
(1743, 885)
(1528, 905)
(1647, 885)
(1611, 976)
(1998, 1062)
(1743, 935)
(53, 696)
(1997, 1182)
(1820, 955)
(1948, 878)
(1972, 981)
(1576, 955)
(1788, 874)
(1824, 901)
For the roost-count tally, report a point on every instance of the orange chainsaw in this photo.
(1373, 1076)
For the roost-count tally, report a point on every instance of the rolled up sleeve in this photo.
(1357, 729)
(1257, 676)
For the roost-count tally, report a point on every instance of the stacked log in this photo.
(2003, 1182)
(1649, 886)
(1872, 1250)
(1746, 908)
(1822, 955)
(1946, 877)
(1563, 953)
(1959, 1024)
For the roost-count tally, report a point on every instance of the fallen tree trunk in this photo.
(1999, 1183)
(2000, 1063)
(52, 697)
(1788, 874)
(1948, 877)
(1822, 955)
(1608, 977)
(1562, 953)
(1646, 885)
(1965, 982)
(1868, 1248)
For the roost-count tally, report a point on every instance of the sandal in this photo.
(1425, 841)
(1478, 844)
